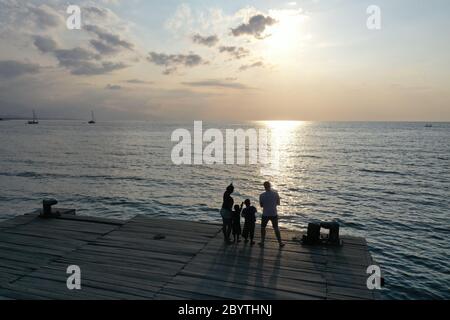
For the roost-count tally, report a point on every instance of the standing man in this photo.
(269, 201)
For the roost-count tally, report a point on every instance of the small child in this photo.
(236, 221)
(249, 213)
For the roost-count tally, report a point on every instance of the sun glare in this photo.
(287, 34)
(283, 125)
(282, 135)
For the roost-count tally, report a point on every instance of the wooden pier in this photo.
(150, 258)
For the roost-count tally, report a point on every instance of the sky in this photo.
(311, 60)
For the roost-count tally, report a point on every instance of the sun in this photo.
(286, 36)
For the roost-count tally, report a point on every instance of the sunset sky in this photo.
(226, 60)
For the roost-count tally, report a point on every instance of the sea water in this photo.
(387, 182)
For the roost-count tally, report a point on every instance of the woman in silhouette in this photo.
(227, 213)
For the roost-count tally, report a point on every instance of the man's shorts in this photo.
(265, 221)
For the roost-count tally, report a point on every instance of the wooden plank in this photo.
(21, 257)
(43, 291)
(62, 244)
(284, 273)
(19, 293)
(156, 220)
(260, 262)
(16, 221)
(97, 281)
(53, 234)
(58, 290)
(96, 249)
(186, 295)
(152, 246)
(29, 249)
(64, 225)
(97, 220)
(129, 271)
(233, 291)
(7, 278)
(178, 236)
(121, 281)
(262, 280)
(138, 263)
(162, 297)
(349, 292)
(256, 254)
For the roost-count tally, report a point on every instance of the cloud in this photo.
(137, 81)
(110, 40)
(172, 61)
(217, 83)
(113, 87)
(245, 67)
(91, 69)
(72, 57)
(45, 44)
(13, 69)
(209, 41)
(236, 52)
(255, 27)
(105, 20)
(103, 48)
(181, 20)
(96, 11)
(20, 18)
(78, 60)
(45, 17)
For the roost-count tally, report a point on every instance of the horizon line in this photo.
(8, 118)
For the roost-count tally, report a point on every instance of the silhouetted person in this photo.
(269, 201)
(226, 212)
(249, 214)
(237, 223)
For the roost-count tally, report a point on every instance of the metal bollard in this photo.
(313, 234)
(47, 207)
(333, 237)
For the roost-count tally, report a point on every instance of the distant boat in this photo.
(92, 118)
(35, 120)
(429, 126)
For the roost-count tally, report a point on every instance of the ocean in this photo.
(387, 182)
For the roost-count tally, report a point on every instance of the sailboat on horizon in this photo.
(35, 120)
(92, 118)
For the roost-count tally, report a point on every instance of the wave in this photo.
(383, 172)
(309, 156)
(28, 174)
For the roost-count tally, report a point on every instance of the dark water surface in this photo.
(387, 182)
